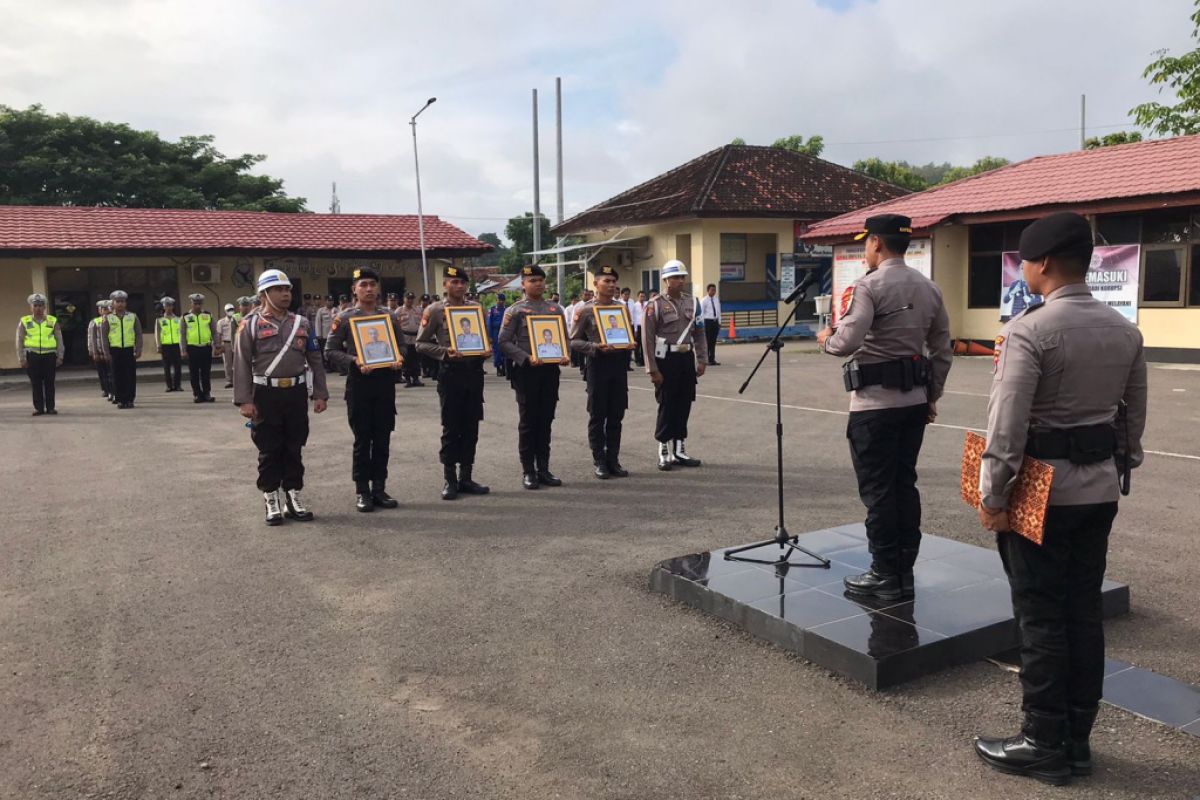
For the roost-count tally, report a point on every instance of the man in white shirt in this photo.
(637, 312)
(710, 312)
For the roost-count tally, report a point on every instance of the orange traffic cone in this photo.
(732, 329)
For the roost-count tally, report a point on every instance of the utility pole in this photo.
(558, 119)
(335, 205)
(1083, 122)
(420, 211)
(537, 184)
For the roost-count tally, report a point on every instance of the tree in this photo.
(57, 159)
(1181, 73)
(897, 173)
(498, 249)
(519, 231)
(738, 140)
(1110, 139)
(985, 164)
(813, 147)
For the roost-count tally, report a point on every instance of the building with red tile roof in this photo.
(1144, 203)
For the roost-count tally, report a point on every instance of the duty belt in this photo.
(679, 348)
(41, 352)
(280, 383)
(1086, 444)
(902, 374)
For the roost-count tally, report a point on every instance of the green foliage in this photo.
(1181, 74)
(79, 161)
(985, 164)
(897, 173)
(519, 231)
(1110, 139)
(919, 178)
(738, 140)
(813, 147)
(498, 249)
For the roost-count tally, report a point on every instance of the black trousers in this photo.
(884, 446)
(371, 411)
(608, 396)
(537, 399)
(173, 366)
(712, 328)
(460, 392)
(638, 356)
(40, 367)
(675, 395)
(412, 360)
(280, 435)
(200, 369)
(104, 373)
(124, 374)
(1057, 604)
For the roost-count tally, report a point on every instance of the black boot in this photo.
(544, 474)
(878, 583)
(908, 559)
(613, 459)
(600, 465)
(1079, 730)
(1036, 752)
(450, 484)
(466, 485)
(381, 498)
(362, 499)
(529, 475)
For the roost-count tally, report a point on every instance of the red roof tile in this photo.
(1142, 169)
(47, 228)
(738, 181)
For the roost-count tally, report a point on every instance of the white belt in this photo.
(679, 348)
(279, 383)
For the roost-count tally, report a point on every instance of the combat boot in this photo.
(1079, 730)
(1036, 752)
(681, 456)
(274, 512)
(544, 475)
(908, 559)
(381, 498)
(600, 465)
(665, 457)
(529, 475)
(295, 506)
(878, 583)
(613, 459)
(450, 485)
(466, 485)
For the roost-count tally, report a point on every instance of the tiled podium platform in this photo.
(962, 611)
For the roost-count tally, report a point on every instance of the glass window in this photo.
(1012, 233)
(1118, 229)
(1194, 282)
(983, 281)
(987, 238)
(1162, 272)
(1167, 227)
(733, 248)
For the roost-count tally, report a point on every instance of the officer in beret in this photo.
(535, 381)
(897, 332)
(198, 332)
(393, 302)
(460, 389)
(1068, 388)
(40, 351)
(121, 344)
(166, 344)
(370, 396)
(408, 318)
(96, 352)
(606, 373)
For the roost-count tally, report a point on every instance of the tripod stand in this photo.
(787, 543)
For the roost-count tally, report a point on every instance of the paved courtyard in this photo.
(159, 641)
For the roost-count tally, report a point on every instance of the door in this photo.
(71, 309)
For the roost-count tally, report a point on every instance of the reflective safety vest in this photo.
(199, 329)
(168, 330)
(120, 332)
(39, 336)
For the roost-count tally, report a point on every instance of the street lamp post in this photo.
(420, 211)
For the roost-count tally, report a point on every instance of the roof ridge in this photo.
(205, 211)
(707, 187)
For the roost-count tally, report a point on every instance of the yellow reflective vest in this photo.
(39, 336)
(168, 330)
(121, 333)
(199, 329)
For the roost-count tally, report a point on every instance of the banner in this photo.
(1113, 277)
(849, 266)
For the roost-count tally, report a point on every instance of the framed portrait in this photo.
(547, 339)
(615, 329)
(375, 341)
(468, 334)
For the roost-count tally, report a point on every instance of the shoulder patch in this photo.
(847, 301)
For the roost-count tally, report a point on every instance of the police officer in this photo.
(897, 330)
(96, 352)
(323, 321)
(272, 348)
(1062, 371)
(495, 319)
(226, 328)
(245, 306)
(607, 379)
(535, 382)
(198, 332)
(40, 351)
(408, 319)
(121, 341)
(393, 302)
(460, 389)
(676, 355)
(429, 365)
(370, 397)
(166, 343)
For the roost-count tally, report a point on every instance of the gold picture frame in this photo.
(375, 344)
(471, 340)
(616, 331)
(547, 339)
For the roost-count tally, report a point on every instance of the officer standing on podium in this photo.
(1069, 388)
(897, 330)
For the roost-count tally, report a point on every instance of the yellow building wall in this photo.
(16, 284)
(1170, 327)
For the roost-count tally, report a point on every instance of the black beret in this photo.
(1064, 232)
(409, 296)
(393, 296)
(364, 273)
(605, 270)
(886, 225)
(533, 271)
(330, 297)
(308, 297)
(456, 272)
(344, 297)
(425, 297)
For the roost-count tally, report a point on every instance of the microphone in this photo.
(809, 279)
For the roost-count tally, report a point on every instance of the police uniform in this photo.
(167, 343)
(673, 344)
(198, 333)
(40, 352)
(274, 358)
(1062, 371)
(898, 333)
(323, 321)
(429, 365)
(607, 376)
(408, 318)
(96, 352)
(535, 385)
(121, 343)
(370, 406)
(460, 394)
(495, 318)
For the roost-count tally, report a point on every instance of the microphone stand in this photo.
(787, 543)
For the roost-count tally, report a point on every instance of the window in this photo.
(1194, 280)
(984, 266)
(1167, 227)
(1118, 229)
(1162, 275)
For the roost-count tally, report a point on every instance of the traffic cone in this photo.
(732, 329)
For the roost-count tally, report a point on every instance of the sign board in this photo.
(787, 274)
(332, 267)
(733, 272)
(1112, 277)
(849, 266)
(808, 249)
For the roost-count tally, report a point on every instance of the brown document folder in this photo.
(1030, 497)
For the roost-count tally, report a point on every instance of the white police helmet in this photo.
(673, 268)
(168, 301)
(118, 295)
(196, 297)
(230, 307)
(273, 277)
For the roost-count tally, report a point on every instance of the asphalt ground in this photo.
(159, 641)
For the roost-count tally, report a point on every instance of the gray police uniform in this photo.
(535, 385)
(606, 373)
(460, 389)
(898, 332)
(408, 319)
(673, 321)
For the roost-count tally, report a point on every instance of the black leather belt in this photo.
(1086, 444)
(903, 374)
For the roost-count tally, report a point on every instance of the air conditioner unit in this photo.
(206, 273)
(625, 258)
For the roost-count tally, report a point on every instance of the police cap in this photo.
(330, 297)
(455, 273)
(1064, 232)
(196, 297)
(308, 297)
(409, 296)
(885, 225)
(118, 295)
(393, 296)
(364, 273)
(605, 270)
(533, 271)
(344, 298)
(36, 299)
(168, 301)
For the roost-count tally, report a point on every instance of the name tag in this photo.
(267, 332)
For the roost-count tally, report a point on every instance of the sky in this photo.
(326, 89)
